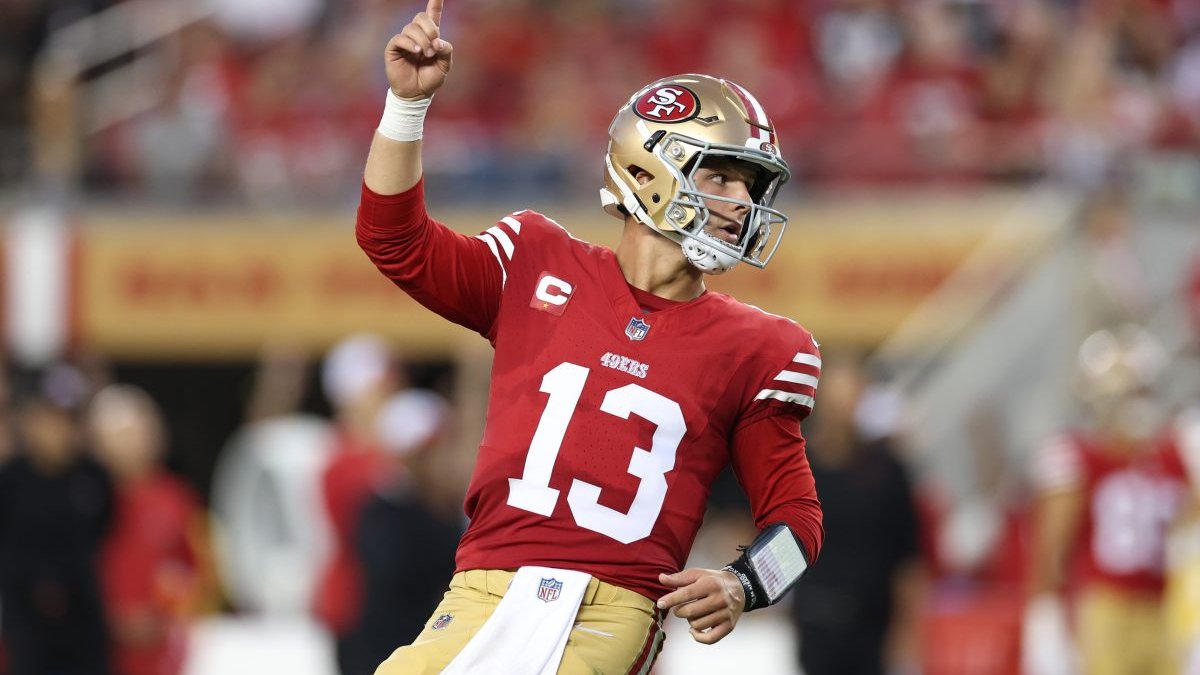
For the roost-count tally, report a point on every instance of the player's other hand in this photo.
(417, 58)
(712, 601)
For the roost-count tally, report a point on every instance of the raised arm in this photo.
(456, 276)
(417, 61)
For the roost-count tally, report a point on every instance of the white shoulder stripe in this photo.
(808, 359)
(487, 239)
(505, 242)
(786, 397)
(513, 223)
(797, 378)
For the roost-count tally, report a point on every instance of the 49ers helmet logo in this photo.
(668, 103)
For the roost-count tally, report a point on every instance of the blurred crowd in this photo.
(104, 555)
(276, 104)
(108, 557)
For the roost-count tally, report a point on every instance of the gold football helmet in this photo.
(1118, 371)
(668, 129)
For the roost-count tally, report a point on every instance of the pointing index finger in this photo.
(434, 10)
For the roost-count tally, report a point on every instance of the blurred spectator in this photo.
(1107, 101)
(358, 377)
(1106, 496)
(175, 150)
(55, 506)
(1012, 105)
(154, 561)
(407, 532)
(857, 608)
(909, 107)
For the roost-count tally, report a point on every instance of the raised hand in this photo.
(417, 58)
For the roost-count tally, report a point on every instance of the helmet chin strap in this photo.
(707, 258)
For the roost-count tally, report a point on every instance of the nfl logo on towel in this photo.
(549, 590)
(637, 329)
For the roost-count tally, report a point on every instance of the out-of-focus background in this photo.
(230, 446)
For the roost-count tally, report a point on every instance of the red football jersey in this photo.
(611, 411)
(148, 567)
(1131, 501)
(355, 467)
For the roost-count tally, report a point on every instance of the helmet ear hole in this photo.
(639, 174)
(655, 198)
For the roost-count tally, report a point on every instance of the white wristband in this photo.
(403, 119)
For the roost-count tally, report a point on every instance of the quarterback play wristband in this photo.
(403, 119)
(769, 566)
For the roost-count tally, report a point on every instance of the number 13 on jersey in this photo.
(532, 492)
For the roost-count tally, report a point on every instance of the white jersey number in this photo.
(1130, 515)
(532, 491)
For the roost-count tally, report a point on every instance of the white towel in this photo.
(527, 633)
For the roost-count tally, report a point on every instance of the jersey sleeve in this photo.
(454, 275)
(767, 446)
(770, 463)
(786, 383)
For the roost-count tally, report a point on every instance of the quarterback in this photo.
(620, 388)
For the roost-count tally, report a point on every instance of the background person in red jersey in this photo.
(620, 388)
(1106, 497)
(154, 561)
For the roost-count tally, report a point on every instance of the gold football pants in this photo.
(1122, 633)
(616, 631)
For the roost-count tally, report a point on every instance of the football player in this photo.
(620, 388)
(1182, 585)
(1107, 497)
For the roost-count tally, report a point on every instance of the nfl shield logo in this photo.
(637, 329)
(549, 590)
(442, 621)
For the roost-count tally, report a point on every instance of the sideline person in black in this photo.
(55, 504)
(856, 611)
(407, 533)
